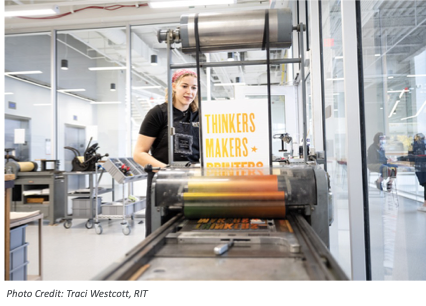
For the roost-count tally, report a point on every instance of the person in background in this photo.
(419, 152)
(152, 143)
(378, 162)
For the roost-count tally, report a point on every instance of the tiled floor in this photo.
(79, 253)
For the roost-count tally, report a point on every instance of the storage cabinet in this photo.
(42, 191)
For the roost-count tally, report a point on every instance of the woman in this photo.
(419, 152)
(153, 135)
(378, 162)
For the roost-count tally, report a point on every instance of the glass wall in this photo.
(217, 83)
(91, 74)
(335, 118)
(28, 118)
(394, 64)
(149, 73)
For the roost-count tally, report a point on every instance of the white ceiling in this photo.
(98, 33)
(390, 23)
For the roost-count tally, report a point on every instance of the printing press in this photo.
(235, 223)
(228, 224)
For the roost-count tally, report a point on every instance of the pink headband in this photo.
(181, 72)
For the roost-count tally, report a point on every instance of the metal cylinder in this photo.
(234, 196)
(262, 183)
(17, 167)
(245, 209)
(236, 30)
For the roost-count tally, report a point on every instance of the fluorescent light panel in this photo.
(188, 3)
(415, 75)
(23, 72)
(106, 68)
(145, 87)
(26, 11)
(71, 90)
(399, 91)
(8, 93)
(393, 108)
(229, 84)
(418, 112)
(109, 102)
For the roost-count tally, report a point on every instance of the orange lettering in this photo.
(245, 126)
(245, 151)
(252, 128)
(231, 147)
(225, 147)
(237, 147)
(208, 122)
(225, 128)
(245, 226)
(214, 124)
(217, 151)
(228, 226)
(209, 147)
(231, 123)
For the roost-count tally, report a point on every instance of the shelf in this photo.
(102, 191)
(79, 172)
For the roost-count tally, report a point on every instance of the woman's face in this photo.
(185, 92)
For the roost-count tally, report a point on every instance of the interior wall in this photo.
(26, 95)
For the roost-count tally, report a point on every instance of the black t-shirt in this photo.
(186, 126)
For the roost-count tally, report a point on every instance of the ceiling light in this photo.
(46, 87)
(403, 91)
(229, 84)
(230, 56)
(112, 87)
(418, 112)
(376, 54)
(106, 68)
(394, 91)
(71, 90)
(394, 108)
(188, 3)
(111, 102)
(23, 72)
(154, 60)
(64, 64)
(25, 10)
(8, 93)
(146, 87)
(390, 77)
(415, 75)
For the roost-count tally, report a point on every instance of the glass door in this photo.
(394, 66)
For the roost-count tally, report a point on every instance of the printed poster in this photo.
(235, 133)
